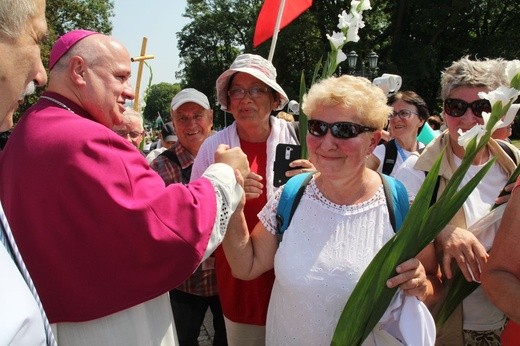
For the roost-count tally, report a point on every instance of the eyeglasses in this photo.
(254, 92)
(342, 130)
(132, 134)
(457, 108)
(402, 114)
(185, 119)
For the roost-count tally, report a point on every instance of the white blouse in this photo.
(317, 265)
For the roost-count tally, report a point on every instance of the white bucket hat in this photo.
(257, 67)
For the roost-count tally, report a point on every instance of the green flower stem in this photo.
(461, 288)
(371, 297)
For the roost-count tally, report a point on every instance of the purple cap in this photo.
(65, 43)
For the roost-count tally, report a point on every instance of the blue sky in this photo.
(159, 21)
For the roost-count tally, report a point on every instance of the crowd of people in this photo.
(106, 246)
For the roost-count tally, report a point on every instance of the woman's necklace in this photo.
(61, 104)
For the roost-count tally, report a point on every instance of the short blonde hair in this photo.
(358, 93)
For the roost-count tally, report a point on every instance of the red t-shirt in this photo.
(247, 301)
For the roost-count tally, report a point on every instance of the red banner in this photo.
(266, 22)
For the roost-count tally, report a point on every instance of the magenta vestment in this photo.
(98, 229)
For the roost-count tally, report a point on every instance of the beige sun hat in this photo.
(257, 67)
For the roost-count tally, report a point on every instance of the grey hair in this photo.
(130, 113)
(14, 15)
(488, 73)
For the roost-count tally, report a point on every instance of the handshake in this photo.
(233, 157)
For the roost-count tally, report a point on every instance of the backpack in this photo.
(391, 156)
(395, 193)
(185, 172)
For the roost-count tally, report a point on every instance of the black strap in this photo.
(185, 172)
(509, 151)
(390, 157)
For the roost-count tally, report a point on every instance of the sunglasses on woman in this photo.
(457, 107)
(342, 130)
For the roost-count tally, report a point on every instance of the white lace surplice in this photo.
(321, 258)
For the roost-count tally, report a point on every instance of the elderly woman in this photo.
(340, 223)
(249, 91)
(479, 321)
(405, 122)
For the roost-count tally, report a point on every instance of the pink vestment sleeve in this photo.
(98, 229)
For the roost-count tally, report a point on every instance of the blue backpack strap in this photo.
(289, 199)
(396, 200)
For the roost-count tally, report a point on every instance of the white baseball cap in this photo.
(189, 95)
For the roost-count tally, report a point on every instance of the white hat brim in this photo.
(223, 83)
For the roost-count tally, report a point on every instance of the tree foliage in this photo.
(66, 15)
(415, 39)
(158, 99)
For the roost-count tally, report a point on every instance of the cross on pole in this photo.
(141, 60)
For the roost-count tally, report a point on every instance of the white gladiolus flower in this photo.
(340, 57)
(337, 39)
(502, 94)
(344, 20)
(512, 69)
(508, 118)
(476, 131)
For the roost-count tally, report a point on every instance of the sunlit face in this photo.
(192, 124)
(21, 62)
(131, 129)
(335, 157)
(251, 109)
(107, 82)
(402, 127)
(468, 119)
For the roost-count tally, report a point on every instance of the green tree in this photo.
(158, 99)
(66, 15)
(415, 39)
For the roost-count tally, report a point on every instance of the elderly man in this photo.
(22, 29)
(103, 237)
(192, 118)
(132, 128)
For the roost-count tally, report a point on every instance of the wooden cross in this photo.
(141, 60)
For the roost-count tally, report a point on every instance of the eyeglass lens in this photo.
(340, 130)
(254, 92)
(132, 134)
(402, 114)
(457, 107)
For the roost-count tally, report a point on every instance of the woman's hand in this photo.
(455, 243)
(303, 164)
(253, 186)
(411, 278)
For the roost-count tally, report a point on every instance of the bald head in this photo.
(94, 73)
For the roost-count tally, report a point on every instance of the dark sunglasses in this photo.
(456, 107)
(342, 130)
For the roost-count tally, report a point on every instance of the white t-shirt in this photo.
(478, 312)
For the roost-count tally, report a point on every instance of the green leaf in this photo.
(371, 297)
(459, 290)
